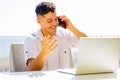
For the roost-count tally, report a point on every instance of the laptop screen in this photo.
(97, 55)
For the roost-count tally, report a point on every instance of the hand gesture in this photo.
(49, 44)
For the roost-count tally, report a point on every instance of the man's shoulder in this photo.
(35, 36)
(32, 36)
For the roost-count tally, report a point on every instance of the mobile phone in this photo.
(62, 23)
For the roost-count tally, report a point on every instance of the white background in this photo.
(93, 17)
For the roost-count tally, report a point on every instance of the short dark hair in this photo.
(44, 7)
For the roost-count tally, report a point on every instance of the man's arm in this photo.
(77, 32)
(72, 28)
(48, 46)
(36, 63)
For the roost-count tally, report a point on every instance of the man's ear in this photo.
(38, 20)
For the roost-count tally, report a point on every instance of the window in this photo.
(94, 17)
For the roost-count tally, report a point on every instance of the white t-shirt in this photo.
(60, 57)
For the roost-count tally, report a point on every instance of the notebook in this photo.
(96, 55)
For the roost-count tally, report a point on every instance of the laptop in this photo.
(96, 55)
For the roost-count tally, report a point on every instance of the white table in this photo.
(55, 75)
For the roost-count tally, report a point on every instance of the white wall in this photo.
(94, 17)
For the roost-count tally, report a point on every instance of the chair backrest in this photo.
(17, 60)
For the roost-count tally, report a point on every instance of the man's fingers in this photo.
(54, 46)
(50, 43)
(46, 40)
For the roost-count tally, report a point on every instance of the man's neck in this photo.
(45, 34)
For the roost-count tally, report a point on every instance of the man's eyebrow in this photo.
(49, 18)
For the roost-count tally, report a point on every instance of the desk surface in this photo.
(55, 75)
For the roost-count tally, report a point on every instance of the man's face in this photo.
(49, 23)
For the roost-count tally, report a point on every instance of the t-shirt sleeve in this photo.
(30, 49)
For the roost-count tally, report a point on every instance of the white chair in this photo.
(17, 60)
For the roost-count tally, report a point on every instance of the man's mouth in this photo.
(52, 27)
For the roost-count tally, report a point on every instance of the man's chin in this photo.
(53, 33)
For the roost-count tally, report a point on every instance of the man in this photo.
(49, 48)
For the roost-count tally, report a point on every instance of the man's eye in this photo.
(49, 21)
(56, 19)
